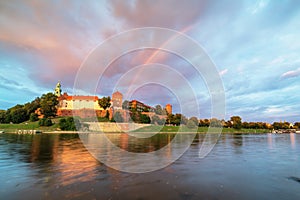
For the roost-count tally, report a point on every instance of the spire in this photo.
(57, 90)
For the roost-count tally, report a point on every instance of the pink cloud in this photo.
(291, 74)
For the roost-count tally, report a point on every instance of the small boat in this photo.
(298, 131)
(2, 132)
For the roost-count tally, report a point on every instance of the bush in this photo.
(69, 124)
(45, 122)
(33, 117)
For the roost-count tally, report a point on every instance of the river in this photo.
(240, 166)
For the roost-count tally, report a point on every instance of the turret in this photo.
(57, 90)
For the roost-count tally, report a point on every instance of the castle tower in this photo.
(169, 108)
(57, 90)
(117, 100)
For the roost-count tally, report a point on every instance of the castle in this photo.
(87, 106)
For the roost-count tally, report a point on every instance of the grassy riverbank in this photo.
(27, 126)
(151, 128)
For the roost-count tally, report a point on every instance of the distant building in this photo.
(82, 106)
(139, 106)
(169, 108)
(117, 99)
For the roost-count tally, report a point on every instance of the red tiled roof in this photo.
(90, 98)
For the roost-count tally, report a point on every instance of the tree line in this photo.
(46, 105)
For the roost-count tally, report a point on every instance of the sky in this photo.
(255, 46)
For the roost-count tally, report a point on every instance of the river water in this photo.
(58, 166)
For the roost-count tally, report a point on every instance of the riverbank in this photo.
(13, 128)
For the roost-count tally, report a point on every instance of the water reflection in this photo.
(55, 166)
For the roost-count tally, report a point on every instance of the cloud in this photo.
(223, 72)
(175, 14)
(291, 74)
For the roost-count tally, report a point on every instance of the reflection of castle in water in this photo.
(64, 157)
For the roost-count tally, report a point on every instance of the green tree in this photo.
(19, 115)
(158, 110)
(118, 117)
(125, 105)
(195, 120)
(204, 122)
(156, 120)
(144, 119)
(33, 117)
(191, 124)
(104, 102)
(214, 122)
(49, 105)
(45, 122)
(2, 116)
(33, 105)
(69, 124)
(297, 125)
(236, 122)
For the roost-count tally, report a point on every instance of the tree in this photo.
(158, 110)
(19, 115)
(33, 117)
(156, 120)
(144, 119)
(69, 124)
(236, 122)
(297, 125)
(104, 102)
(32, 106)
(118, 117)
(214, 122)
(195, 120)
(125, 105)
(45, 122)
(191, 124)
(2, 116)
(49, 105)
(204, 122)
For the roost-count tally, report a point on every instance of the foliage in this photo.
(144, 119)
(125, 105)
(69, 124)
(157, 120)
(297, 125)
(215, 123)
(204, 122)
(236, 122)
(48, 105)
(104, 102)
(33, 117)
(45, 122)
(158, 110)
(19, 115)
(2, 116)
(195, 120)
(118, 117)
(281, 125)
(191, 123)
(176, 119)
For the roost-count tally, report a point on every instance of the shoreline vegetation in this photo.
(13, 128)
